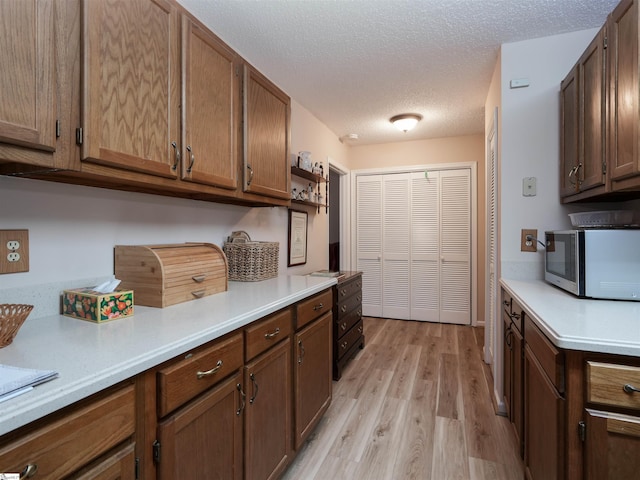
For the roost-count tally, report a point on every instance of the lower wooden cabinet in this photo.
(203, 439)
(117, 466)
(267, 443)
(312, 375)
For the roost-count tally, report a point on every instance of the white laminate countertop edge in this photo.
(91, 357)
(602, 326)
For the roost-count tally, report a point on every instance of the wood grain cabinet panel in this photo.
(28, 108)
(131, 85)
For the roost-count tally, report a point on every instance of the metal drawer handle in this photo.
(515, 316)
(318, 307)
(271, 335)
(242, 399)
(255, 388)
(358, 284)
(29, 471)
(198, 294)
(628, 388)
(199, 278)
(208, 373)
(343, 326)
(343, 292)
(360, 329)
(359, 313)
(343, 345)
(344, 308)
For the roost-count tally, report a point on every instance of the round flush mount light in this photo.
(349, 137)
(406, 121)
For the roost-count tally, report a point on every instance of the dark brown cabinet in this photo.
(513, 348)
(348, 331)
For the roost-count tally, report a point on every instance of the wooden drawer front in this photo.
(120, 465)
(345, 343)
(550, 358)
(351, 303)
(266, 333)
(345, 290)
(62, 447)
(606, 385)
(198, 371)
(344, 324)
(312, 308)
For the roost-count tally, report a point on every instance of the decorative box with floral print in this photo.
(88, 304)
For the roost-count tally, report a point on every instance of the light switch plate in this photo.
(529, 187)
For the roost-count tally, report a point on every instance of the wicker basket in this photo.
(12, 316)
(252, 261)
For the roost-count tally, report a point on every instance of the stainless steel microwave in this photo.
(594, 263)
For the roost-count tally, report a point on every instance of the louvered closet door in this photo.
(395, 251)
(455, 247)
(369, 242)
(425, 247)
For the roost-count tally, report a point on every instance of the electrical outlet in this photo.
(529, 245)
(14, 251)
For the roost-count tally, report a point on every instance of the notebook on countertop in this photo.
(18, 379)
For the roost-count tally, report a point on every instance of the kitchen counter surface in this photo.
(91, 357)
(573, 323)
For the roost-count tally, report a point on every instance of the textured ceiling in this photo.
(354, 64)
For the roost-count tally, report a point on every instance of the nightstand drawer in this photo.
(348, 340)
(346, 289)
(344, 324)
(611, 384)
(349, 304)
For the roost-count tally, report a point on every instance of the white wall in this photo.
(530, 143)
(73, 229)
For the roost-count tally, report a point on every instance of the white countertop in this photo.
(574, 323)
(91, 357)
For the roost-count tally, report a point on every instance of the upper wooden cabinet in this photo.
(130, 85)
(28, 110)
(267, 112)
(583, 95)
(210, 107)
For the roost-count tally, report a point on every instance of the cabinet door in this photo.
(569, 145)
(27, 82)
(131, 85)
(544, 419)
(517, 389)
(268, 413)
(507, 374)
(119, 466)
(210, 108)
(266, 137)
(312, 375)
(623, 90)
(592, 115)
(612, 444)
(203, 440)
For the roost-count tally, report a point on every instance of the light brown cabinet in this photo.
(80, 439)
(312, 364)
(513, 349)
(28, 111)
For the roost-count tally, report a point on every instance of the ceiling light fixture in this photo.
(406, 121)
(350, 136)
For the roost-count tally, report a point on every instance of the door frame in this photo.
(472, 166)
(344, 213)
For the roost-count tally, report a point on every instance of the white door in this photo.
(420, 267)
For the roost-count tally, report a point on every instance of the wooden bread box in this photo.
(163, 275)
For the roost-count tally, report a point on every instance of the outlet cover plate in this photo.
(531, 246)
(8, 261)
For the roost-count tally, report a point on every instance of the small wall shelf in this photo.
(318, 179)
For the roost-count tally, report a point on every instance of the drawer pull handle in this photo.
(360, 329)
(359, 313)
(255, 388)
(343, 292)
(273, 334)
(358, 284)
(343, 326)
(29, 471)
(242, 399)
(198, 294)
(208, 373)
(344, 308)
(628, 388)
(318, 307)
(199, 278)
(343, 345)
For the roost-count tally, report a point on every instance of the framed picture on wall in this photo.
(297, 238)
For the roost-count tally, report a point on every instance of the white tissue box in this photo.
(88, 304)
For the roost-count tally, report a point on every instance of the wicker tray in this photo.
(252, 261)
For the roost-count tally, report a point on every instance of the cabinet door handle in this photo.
(255, 388)
(199, 278)
(250, 175)
(572, 173)
(208, 373)
(29, 471)
(192, 160)
(177, 156)
(507, 337)
(628, 388)
(300, 352)
(318, 307)
(272, 334)
(198, 293)
(242, 399)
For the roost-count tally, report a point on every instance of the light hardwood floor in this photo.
(414, 404)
